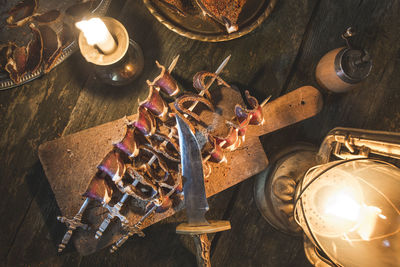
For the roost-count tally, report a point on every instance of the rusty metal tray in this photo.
(196, 26)
(21, 35)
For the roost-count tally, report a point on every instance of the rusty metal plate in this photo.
(198, 27)
(22, 35)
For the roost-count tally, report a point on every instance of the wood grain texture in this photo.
(298, 105)
(276, 58)
(371, 104)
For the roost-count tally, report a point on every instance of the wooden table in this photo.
(278, 57)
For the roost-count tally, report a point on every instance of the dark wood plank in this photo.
(31, 114)
(372, 105)
(252, 68)
(252, 241)
(161, 246)
(261, 62)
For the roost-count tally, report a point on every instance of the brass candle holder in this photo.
(121, 66)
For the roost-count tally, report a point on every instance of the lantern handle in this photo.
(348, 143)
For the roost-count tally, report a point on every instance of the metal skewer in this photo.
(115, 210)
(135, 229)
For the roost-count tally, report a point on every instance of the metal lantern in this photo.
(347, 207)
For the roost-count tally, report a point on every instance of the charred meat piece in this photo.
(51, 47)
(178, 6)
(49, 16)
(225, 12)
(21, 13)
(3, 56)
(16, 63)
(34, 50)
(99, 190)
(242, 120)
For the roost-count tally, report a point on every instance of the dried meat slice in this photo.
(200, 85)
(113, 165)
(21, 13)
(3, 56)
(231, 141)
(155, 103)
(225, 12)
(129, 143)
(165, 82)
(145, 123)
(99, 190)
(16, 63)
(217, 155)
(34, 50)
(180, 104)
(142, 187)
(49, 16)
(52, 48)
(52, 61)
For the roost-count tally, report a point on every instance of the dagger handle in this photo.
(202, 250)
(199, 234)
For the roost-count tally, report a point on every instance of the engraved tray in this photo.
(21, 35)
(196, 26)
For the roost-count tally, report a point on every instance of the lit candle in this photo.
(96, 33)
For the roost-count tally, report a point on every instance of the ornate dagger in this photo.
(195, 196)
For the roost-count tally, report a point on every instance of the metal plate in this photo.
(199, 27)
(21, 35)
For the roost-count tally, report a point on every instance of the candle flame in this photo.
(94, 29)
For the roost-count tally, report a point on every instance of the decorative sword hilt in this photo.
(113, 211)
(136, 229)
(131, 230)
(73, 224)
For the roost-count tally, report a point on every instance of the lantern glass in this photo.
(350, 210)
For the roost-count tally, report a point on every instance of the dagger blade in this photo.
(192, 173)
